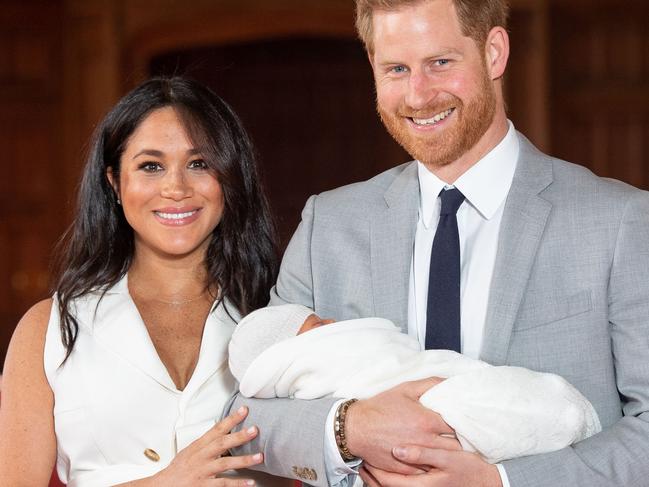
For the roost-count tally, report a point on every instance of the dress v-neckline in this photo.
(119, 328)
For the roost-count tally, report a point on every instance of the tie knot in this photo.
(451, 201)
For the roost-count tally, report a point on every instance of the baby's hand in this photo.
(313, 321)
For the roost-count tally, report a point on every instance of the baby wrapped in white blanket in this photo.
(499, 412)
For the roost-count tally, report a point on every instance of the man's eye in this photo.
(399, 69)
(442, 62)
(150, 166)
(198, 164)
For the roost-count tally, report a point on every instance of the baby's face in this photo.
(313, 321)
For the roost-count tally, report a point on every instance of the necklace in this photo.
(174, 302)
(179, 302)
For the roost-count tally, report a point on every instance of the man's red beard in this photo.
(441, 149)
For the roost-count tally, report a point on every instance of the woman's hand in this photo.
(201, 463)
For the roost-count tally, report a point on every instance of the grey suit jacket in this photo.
(569, 295)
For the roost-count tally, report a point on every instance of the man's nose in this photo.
(421, 91)
(176, 186)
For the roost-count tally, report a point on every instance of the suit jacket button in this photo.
(152, 455)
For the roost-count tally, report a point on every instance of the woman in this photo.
(126, 365)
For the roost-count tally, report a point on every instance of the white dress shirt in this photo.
(485, 187)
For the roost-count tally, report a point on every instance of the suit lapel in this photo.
(392, 236)
(524, 219)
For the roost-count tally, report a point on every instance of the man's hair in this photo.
(477, 17)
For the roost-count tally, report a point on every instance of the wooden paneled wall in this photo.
(599, 67)
(33, 196)
(577, 85)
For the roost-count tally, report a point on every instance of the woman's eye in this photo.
(150, 166)
(198, 164)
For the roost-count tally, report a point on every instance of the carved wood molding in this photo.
(232, 26)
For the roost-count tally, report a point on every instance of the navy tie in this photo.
(443, 310)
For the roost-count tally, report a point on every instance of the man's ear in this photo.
(497, 52)
(110, 175)
(370, 58)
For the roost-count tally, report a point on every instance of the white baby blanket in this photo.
(500, 412)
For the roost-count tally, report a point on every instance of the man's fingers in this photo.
(437, 442)
(437, 424)
(391, 479)
(417, 455)
(448, 443)
(367, 477)
(416, 388)
(403, 468)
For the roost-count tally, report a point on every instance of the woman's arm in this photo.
(27, 439)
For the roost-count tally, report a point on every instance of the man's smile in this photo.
(432, 120)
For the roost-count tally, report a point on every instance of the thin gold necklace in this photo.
(174, 302)
(180, 302)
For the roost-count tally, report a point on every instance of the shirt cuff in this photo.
(336, 468)
(503, 475)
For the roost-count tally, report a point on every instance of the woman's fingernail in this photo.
(241, 411)
(252, 430)
(250, 482)
(257, 457)
(399, 452)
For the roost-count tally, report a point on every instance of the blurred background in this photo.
(577, 86)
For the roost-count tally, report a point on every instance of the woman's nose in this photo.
(176, 185)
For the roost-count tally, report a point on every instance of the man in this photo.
(541, 264)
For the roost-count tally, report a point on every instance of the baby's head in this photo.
(264, 327)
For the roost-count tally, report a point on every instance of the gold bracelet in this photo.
(339, 430)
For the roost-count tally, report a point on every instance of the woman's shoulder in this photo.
(26, 418)
(29, 336)
(25, 353)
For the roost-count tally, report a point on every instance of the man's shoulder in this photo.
(576, 181)
(370, 191)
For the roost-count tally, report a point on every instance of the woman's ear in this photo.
(110, 175)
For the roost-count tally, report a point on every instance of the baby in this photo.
(499, 412)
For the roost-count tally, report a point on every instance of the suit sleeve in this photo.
(619, 455)
(291, 432)
(295, 280)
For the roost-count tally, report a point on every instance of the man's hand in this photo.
(376, 425)
(445, 469)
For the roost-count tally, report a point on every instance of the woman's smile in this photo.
(177, 216)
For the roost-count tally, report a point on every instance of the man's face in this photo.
(434, 93)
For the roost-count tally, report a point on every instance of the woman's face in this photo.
(170, 197)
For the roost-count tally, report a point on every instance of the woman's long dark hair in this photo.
(97, 250)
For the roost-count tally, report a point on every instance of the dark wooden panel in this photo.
(31, 189)
(309, 106)
(600, 87)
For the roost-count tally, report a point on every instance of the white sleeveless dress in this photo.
(117, 414)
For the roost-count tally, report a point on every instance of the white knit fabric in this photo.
(500, 412)
(263, 328)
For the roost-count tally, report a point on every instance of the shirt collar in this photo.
(485, 185)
